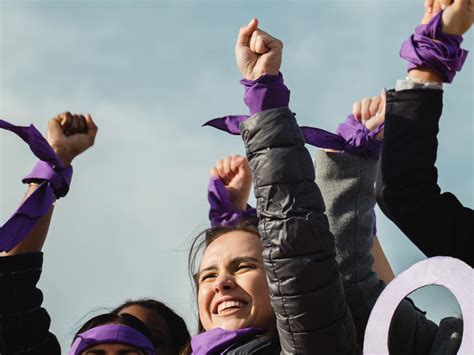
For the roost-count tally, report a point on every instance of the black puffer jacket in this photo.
(305, 287)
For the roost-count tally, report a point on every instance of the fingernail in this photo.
(430, 9)
(443, 6)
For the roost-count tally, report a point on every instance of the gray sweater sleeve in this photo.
(305, 287)
(347, 186)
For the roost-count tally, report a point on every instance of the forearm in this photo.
(381, 265)
(347, 185)
(35, 240)
(296, 239)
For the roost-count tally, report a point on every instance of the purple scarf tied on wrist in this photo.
(221, 212)
(218, 340)
(430, 47)
(351, 136)
(112, 333)
(55, 181)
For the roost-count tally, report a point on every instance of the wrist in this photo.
(424, 75)
(64, 156)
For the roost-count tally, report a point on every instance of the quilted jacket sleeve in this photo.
(305, 286)
(407, 185)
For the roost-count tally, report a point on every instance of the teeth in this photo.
(229, 304)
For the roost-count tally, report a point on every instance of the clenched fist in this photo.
(235, 173)
(371, 112)
(69, 135)
(257, 53)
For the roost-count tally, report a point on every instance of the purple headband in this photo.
(221, 212)
(432, 48)
(351, 135)
(112, 333)
(55, 181)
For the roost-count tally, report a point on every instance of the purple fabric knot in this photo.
(218, 340)
(60, 179)
(221, 212)
(430, 47)
(54, 178)
(351, 137)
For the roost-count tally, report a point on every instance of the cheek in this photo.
(204, 299)
(256, 285)
(261, 296)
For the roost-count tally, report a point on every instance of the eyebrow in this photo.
(235, 261)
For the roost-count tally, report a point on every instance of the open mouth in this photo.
(230, 306)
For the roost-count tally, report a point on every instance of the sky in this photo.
(150, 73)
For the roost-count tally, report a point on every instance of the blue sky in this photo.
(150, 73)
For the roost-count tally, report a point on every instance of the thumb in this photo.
(54, 129)
(245, 32)
(91, 127)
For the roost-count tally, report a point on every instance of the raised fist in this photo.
(257, 53)
(371, 112)
(235, 173)
(69, 135)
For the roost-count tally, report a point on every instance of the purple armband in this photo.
(112, 333)
(431, 48)
(265, 93)
(53, 178)
(221, 211)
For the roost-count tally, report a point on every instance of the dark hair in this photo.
(206, 237)
(110, 318)
(177, 327)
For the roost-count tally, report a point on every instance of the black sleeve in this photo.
(305, 286)
(24, 325)
(407, 188)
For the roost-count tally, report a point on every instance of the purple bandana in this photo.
(113, 334)
(265, 93)
(351, 135)
(430, 47)
(217, 341)
(55, 179)
(221, 212)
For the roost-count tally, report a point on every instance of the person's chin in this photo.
(233, 324)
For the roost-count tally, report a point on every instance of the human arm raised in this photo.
(24, 324)
(68, 135)
(305, 287)
(407, 188)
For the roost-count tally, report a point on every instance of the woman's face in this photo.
(233, 291)
(158, 327)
